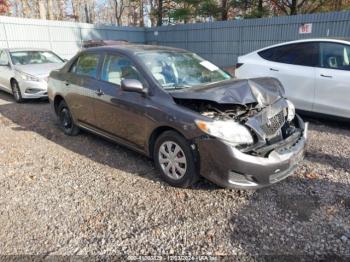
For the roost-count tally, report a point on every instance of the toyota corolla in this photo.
(186, 113)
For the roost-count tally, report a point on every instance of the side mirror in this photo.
(133, 85)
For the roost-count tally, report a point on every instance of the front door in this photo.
(118, 112)
(5, 71)
(333, 80)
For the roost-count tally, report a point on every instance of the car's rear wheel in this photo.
(16, 91)
(66, 120)
(174, 159)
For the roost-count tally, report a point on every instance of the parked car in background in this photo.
(24, 72)
(188, 115)
(314, 72)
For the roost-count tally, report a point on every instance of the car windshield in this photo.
(177, 70)
(34, 57)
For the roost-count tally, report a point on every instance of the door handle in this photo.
(273, 69)
(326, 76)
(99, 92)
(66, 83)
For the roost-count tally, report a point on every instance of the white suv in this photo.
(314, 72)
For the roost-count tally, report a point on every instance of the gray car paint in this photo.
(135, 119)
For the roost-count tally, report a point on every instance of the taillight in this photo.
(238, 65)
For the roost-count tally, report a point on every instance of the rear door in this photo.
(294, 65)
(81, 85)
(118, 112)
(5, 71)
(333, 80)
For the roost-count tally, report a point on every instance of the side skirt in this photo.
(111, 138)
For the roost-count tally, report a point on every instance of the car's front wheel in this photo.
(16, 91)
(174, 159)
(66, 120)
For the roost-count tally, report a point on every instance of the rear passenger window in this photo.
(305, 54)
(86, 65)
(116, 68)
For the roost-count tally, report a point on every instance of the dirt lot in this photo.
(83, 195)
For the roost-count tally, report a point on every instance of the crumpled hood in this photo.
(40, 70)
(264, 91)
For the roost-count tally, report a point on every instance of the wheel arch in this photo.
(12, 80)
(56, 102)
(156, 133)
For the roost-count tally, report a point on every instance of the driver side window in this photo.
(116, 68)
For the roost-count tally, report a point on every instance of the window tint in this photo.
(116, 68)
(3, 58)
(86, 65)
(297, 54)
(335, 56)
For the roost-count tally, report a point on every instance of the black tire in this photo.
(66, 120)
(190, 176)
(16, 91)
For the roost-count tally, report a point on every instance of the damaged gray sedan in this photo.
(191, 117)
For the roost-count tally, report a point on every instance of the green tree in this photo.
(294, 7)
(187, 10)
(209, 8)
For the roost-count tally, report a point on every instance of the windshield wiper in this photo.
(176, 87)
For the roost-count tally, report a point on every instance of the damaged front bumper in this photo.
(229, 167)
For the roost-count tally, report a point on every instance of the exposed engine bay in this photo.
(217, 111)
(264, 119)
(269, 125)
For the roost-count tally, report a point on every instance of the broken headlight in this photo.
(290, 111)
(230, 131)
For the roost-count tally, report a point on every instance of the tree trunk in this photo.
(41, 9)
(76, 10)
(50, 10)
(87, 13)
(293, 7)
(62, 9)
(160, 13)
(141, 14)
(224, 10)
(17, 5)
(338, 5)
(25, 9)
(260, 8)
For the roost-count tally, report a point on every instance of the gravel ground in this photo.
(83, 195)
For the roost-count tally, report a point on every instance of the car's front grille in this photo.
(274, 124)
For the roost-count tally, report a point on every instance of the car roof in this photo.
(135, 48)
(342, 40)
